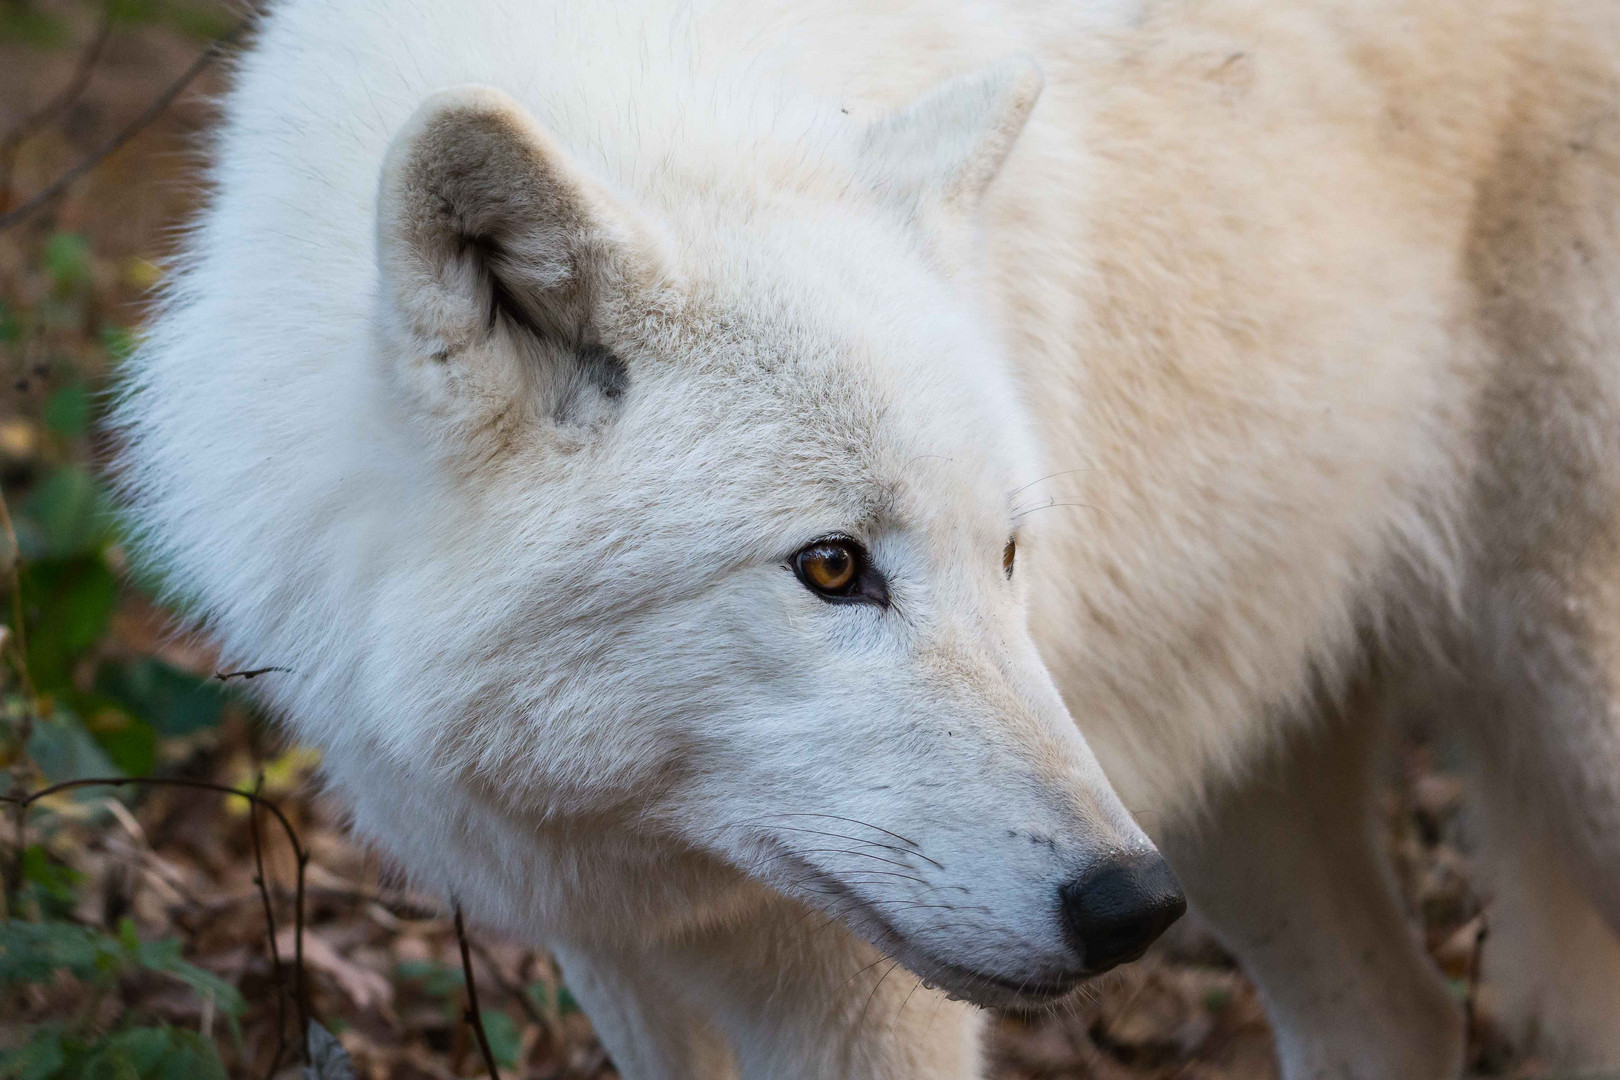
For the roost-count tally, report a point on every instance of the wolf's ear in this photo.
(485, 226)
(936, 156)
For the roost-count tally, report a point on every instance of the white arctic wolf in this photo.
(695, 457)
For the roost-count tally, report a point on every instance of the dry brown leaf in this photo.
(367, 989)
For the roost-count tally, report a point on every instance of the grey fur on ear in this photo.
(939, 154)
(497, 259)
(481, 217)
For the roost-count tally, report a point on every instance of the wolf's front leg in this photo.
(800, 997)
(634, 1001)
(783, 994)
(1289, 871)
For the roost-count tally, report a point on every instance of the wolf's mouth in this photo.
(985, 989)
(1021, 991)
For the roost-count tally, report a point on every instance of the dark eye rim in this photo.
(866, 585)
(1009, 557)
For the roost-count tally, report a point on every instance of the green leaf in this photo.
(151, 1053)
(69, 604)
(190, 1057)
(540, 994)
(35, 952)
(132, 746)
(119, 341)
(142, 1049)
(164, 956)
(56, 879)
(67, 411)
(64, 750)
(68, 514)
(136, 11)
(505, 1037)
(202, 21)
(438, 980)
(174, 702)
(67, 261)
(42, 1057)
(108, 1063)
(27, 26)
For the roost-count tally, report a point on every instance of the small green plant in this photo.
(447, 985)
(204, 21)
(29, 26)
(48, 953)
(439, 981)
(70, 708)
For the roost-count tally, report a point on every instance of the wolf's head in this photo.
(701, 525)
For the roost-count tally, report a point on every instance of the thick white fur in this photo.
(1285, 339)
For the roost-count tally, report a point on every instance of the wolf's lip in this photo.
(1027, 991)
(976, 987)
(955, 981)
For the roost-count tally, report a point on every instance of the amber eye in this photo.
(1009, 555)
(830, 567)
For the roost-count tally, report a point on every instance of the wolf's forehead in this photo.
(864, 400)
(854, 444)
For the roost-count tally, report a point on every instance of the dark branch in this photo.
(270, 931)
(153, 110)
(473, 1016)
(56, 106)
(227, 676)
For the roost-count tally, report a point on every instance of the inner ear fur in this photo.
(483, 218)
(936, 156)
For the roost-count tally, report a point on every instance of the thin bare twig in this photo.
(57, 105)
(270, 927)
(300, 980)
(19, 632)
(227, 676)
(56, 188)
(19, 644)
(474, 1018)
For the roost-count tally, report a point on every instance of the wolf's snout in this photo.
(1117, 909)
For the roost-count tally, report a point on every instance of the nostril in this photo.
(1117, 909)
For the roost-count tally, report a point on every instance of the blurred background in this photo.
(135, 940)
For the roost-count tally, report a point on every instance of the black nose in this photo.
(1116, 909)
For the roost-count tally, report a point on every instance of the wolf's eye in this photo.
(837, 570)
(1009, 555)
(828, 566)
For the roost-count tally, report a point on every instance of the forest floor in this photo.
(162, 881)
